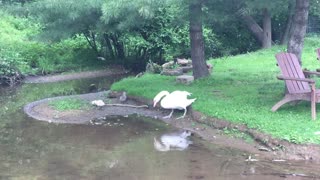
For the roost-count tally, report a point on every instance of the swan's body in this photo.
(175, 100)
(175, 141)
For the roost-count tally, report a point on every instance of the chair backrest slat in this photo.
(290, 67)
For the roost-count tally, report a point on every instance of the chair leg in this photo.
(282, 102)
(313, 102)
(313, 108)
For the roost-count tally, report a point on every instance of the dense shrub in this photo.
(20, 50)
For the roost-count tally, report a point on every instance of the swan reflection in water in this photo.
(173, 141)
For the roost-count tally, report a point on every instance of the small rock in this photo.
(186, 69)
(172, 72)
(168, 65)
(185, 79)
(184, 62)
(264, 149)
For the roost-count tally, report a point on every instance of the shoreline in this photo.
(264, 146)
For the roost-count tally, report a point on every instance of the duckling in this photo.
(123, 97)
(98, 103)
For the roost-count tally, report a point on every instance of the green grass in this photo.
(242, 89)
(69, 104)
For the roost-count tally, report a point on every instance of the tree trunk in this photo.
(300, 20)
(90, 37)
(109, 47)
(253, 26)
(196, 39)
(267, 37)
(288, 30)
(264, 36)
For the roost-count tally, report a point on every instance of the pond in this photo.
(118, 148)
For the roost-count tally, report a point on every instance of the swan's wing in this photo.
(181, 94)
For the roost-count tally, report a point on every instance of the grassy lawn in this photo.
(242, 89)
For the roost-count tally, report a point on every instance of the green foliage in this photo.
(242, 90)
(314, 8)
(116, 12)
(274, 6)
(69, 104)
(20, 50)
(64, 19)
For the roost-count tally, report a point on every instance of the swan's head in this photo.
(185, 133)
(158, 97)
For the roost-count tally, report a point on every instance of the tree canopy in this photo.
(135, 32)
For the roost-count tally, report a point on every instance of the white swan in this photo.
(175, 100)
(173, 141)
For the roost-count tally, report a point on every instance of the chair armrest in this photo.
(311, 81)
(311, 73)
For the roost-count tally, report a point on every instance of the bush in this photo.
(9, 74)
(19, 48)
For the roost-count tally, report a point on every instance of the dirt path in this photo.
(71, 76)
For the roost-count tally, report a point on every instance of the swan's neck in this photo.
(164, 94)
(161, 95)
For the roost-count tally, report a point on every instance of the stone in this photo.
(172, 72)
(184, 62)
(168, 65)
(185, 79)
(186, 69)
(153, 68)
(210, 67)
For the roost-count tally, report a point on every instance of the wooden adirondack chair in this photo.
(298, 86)
(318, 57)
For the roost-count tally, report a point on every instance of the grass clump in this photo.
(69, 104)
(242, 89)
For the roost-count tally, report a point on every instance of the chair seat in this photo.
(298, 87)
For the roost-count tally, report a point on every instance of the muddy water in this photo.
(122, 148)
